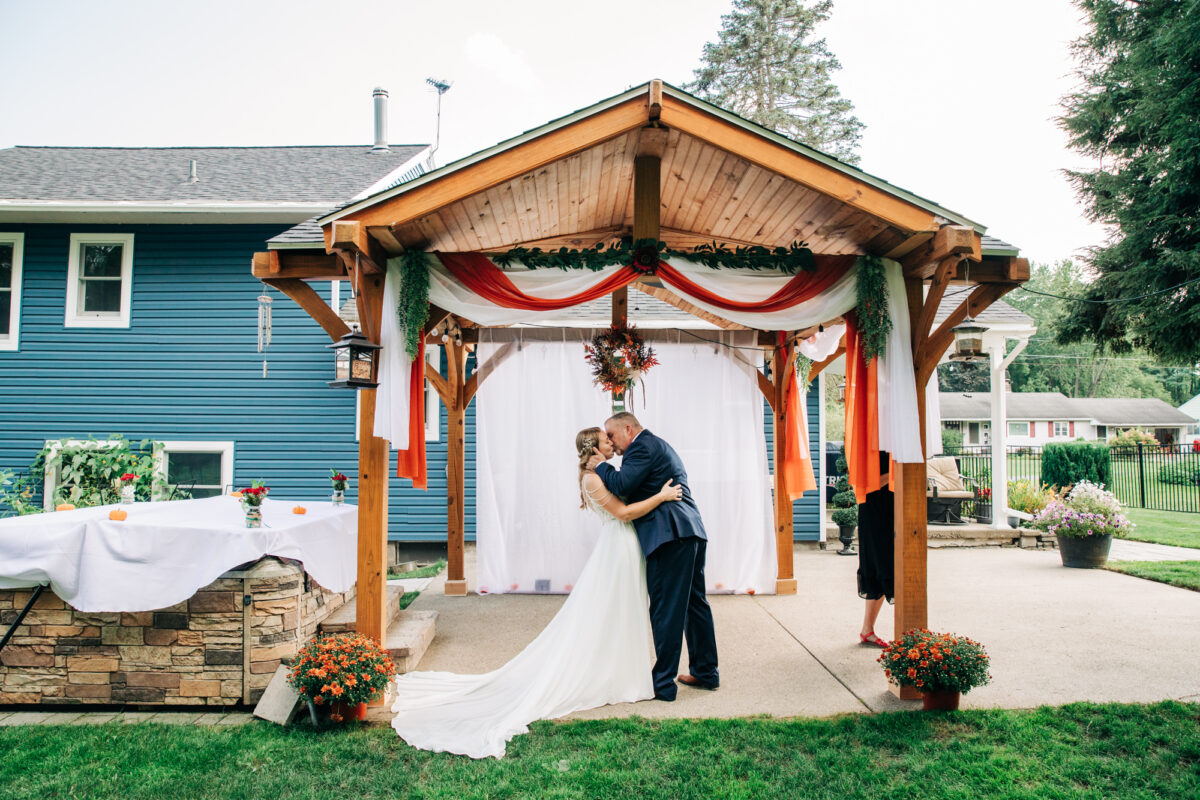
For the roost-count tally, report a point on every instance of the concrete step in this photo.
(342, 620)
(409, 637)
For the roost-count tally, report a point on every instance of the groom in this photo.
(674, 543)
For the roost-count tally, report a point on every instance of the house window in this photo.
(1061, 429)
(202, 469)
(1193, 430)
(12, 250)
(1102, 432)
(52, 476)
(99, 280)
(1018, 429)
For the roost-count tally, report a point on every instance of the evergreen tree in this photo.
(767, 66)
(1138, 114)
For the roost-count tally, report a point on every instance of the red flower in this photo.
(129, 476)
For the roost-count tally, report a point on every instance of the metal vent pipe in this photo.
(380, 94)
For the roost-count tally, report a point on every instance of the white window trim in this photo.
(181, 446)
(74, 319)
(1022, 424)
(11, 340)
(1066, 429)
(54, 462)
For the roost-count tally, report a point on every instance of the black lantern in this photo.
(354, 362)
(842, 391)
(968, 341)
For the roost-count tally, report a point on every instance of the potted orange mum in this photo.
(941, 665)
(342, 672)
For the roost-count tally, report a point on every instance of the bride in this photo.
(594, 652)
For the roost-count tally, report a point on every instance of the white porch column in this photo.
(999, 362)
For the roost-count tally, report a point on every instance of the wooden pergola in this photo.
(651, 163)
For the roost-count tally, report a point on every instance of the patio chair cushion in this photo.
(942, 474)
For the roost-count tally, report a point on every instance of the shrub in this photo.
(952, 440)
(1180, 474)
(1068, 463)
(1025, 497)
(936, 662)
(1132, 438)
(845, 512)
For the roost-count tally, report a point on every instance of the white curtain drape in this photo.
(897, 381)
(703, 399)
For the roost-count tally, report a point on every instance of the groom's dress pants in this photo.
(678, 608)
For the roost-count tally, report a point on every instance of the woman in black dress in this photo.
(876, 551)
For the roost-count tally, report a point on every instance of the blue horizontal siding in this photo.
(187, 368)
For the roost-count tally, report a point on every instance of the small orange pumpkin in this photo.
(299, 510)
(118, 514)
(65, 507)
(236, 495)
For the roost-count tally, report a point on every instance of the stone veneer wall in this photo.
(220, 647)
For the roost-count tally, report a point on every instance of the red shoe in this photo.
(871, 640)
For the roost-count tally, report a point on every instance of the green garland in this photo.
(874, 324)
(412, 310)
(803, 368)
(627, 251)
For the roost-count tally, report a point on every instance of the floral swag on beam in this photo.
(869, 291)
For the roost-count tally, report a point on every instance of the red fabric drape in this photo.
(480, 275)
(796, 464)
(801, 287)
(410, 463)
(862, 414)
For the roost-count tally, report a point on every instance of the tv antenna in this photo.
(440, 86)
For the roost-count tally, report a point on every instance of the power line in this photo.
(1113, 300)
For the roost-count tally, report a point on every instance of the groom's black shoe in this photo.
(664, 698)
(688, 680)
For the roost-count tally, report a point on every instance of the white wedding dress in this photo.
(597, 650)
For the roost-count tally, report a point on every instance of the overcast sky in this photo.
(958, 96)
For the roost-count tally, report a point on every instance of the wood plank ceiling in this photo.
(707, 194)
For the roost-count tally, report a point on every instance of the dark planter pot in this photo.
(983, 513)
(940, 700)
(1084, 552)
(846, 537)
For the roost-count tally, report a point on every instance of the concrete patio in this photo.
(1055, 636)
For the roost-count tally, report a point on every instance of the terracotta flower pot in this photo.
(1084, 552)
(940, 700)
(345, 712)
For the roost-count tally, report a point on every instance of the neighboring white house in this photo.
(1035, 418)
(1192, 409)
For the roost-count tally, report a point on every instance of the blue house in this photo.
(127, 307)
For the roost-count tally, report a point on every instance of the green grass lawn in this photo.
(1080, 751)
(1185, 574)
(422, 572)
(1165, 527)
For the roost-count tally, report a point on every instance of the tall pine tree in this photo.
(1138, 115)
(768, 67)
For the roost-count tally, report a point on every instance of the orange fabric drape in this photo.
(862, 414)
(410, 463)
(796, 464)
(477, 272)
(801, 287)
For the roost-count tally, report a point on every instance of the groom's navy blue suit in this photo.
(674, 542)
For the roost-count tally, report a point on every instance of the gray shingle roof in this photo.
(997, 247)
(1057, 406)
(319, 175)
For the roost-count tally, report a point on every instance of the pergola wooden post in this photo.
(783, 362)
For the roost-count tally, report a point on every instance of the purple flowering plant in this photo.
(1087, 510)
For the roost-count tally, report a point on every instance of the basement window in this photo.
(201, 469)
(99, 280)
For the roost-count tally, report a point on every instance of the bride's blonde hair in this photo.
(586, 442)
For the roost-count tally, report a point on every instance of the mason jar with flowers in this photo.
(1084, 521)
(252, 500)
(342, 673)
(128, 483)
(339, 486)
(943, 666)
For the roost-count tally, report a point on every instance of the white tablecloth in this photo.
(163, 552)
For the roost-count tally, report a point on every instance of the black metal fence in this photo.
(1160, 478)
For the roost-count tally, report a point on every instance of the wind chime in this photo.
(264, 326)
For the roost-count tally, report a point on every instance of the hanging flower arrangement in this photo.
(619, 357)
